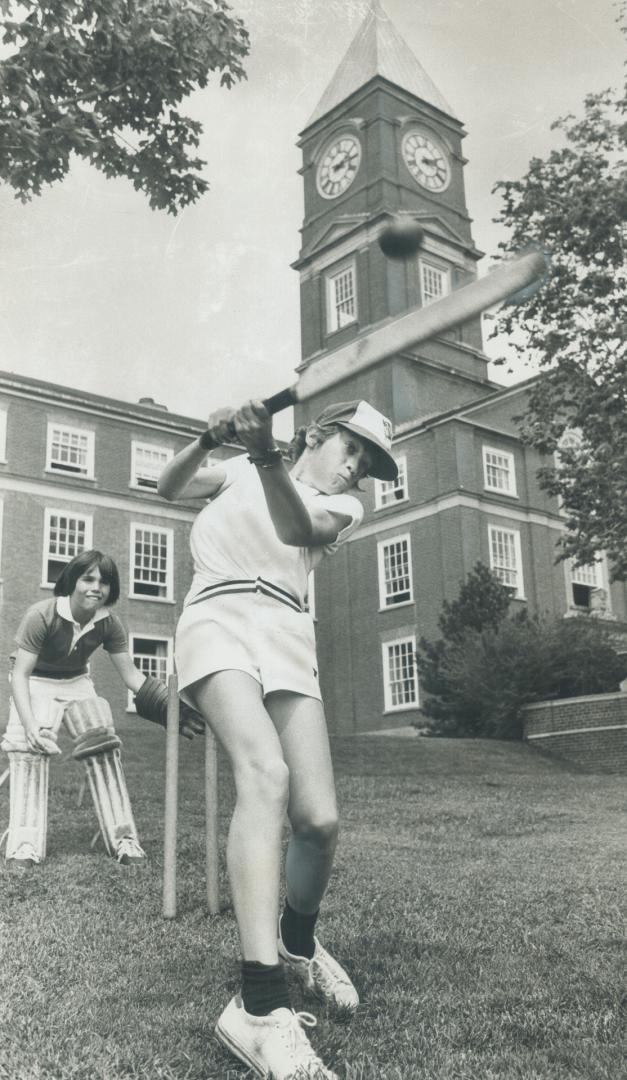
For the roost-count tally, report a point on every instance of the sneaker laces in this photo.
(331, 973)
(300, 1049)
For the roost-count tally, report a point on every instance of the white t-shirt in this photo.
(233, 537)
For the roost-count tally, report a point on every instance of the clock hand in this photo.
(339, 164)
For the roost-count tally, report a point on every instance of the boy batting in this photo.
(246, 660)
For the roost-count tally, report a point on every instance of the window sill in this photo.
(392, 505)
(142, 487)
(340, 329)
(395, 607)
(70, 475)
(401, 708)
(46, 585)
(573, 612)
(151, 599)
(499, 491)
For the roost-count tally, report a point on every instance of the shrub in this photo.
(477, 678)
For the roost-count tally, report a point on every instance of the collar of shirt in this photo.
(64, 609)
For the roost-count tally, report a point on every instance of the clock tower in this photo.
(383, 142)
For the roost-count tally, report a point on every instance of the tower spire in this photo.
(378, 49)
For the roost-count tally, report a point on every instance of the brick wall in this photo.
(588, 731)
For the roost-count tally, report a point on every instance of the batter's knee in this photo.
(264, 779)
(319, 827)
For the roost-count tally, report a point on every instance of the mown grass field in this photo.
(476, 901)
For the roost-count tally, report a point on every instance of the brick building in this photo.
(384, 141)
(79, 470)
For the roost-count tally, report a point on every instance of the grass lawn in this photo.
(476, 902)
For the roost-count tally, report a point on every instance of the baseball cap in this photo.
(371, 426)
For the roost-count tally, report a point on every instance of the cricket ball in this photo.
(401, 238)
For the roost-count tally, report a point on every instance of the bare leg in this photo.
(231, 702)
(312, 807)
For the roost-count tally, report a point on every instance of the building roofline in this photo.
(153, 415)
(378, 82)
(412, 427)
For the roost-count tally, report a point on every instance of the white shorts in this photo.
(248, 632)
(49, 698)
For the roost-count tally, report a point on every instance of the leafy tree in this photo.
(103, 79)
(573, 204)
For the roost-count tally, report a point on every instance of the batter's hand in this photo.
(253, 425)
(221, 427)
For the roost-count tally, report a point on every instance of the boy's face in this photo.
(338, 463)
(90, 592)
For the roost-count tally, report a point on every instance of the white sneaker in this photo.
(322, 976)
(275, 1046)
(129, 851)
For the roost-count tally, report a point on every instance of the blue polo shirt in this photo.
(62, 646)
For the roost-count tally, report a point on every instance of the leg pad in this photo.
(28, 821)
(108, 789)
(96, 741)
(88, 714)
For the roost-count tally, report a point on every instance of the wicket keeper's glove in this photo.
(151, 702)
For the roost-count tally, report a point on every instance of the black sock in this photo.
(297, 932)
(264, 988)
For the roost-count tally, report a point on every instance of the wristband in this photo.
(268, 459)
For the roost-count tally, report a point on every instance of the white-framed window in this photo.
(390, 492)
(434, 282)
(400, 677)
(151, 563)
(147, 463)
(152, 655)
(3, 435)
(70, 450)
(395, 578)
(499, 471)
(588, 586)
(506, 558)
(341, 289)
(66, 534)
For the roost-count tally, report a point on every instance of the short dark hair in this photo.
(299, 441)
(80, 564)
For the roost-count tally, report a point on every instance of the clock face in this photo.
(427, 161)
(338, 166)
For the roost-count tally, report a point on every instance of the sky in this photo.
(101, 293)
